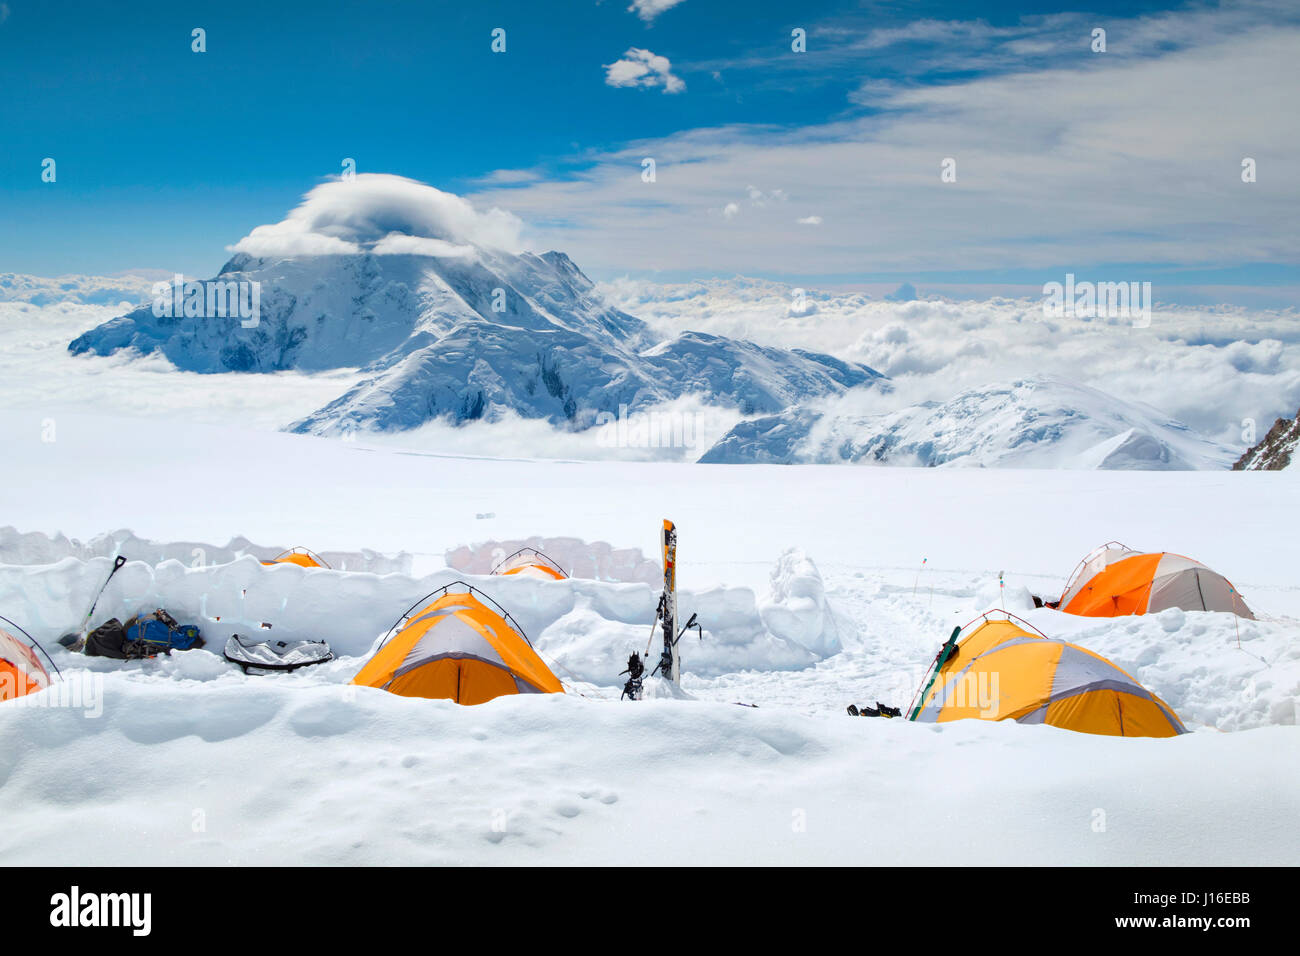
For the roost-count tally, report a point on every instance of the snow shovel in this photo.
(76, 641)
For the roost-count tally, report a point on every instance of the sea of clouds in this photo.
(1216, 369)
(1213, 368)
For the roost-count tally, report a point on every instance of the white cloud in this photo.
(759, 198)
(935, 31)
(642, 68)
(1064, 166)
(810, 221)
(702, 424)
(37, 374)
(647, 10)
(133, 286)
(731, 210)
(506, 177)
(284, 240)
(385, 214)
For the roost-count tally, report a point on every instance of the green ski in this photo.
(945, 654)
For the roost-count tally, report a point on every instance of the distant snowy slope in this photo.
(449, 318)
(1032, 423)
(481, 368)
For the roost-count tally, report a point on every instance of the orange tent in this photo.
(457, 648)
(299, 556)
(21, 672)
(1002, 671)
(530, 562)
(1115, 580)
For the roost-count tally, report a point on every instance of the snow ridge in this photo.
(1030, 423)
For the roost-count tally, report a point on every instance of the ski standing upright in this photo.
(670, 663)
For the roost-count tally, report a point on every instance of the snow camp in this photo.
(423, 658)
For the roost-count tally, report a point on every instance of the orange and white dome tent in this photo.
(299, 556)
(1115, 580)
(531, 563)
(21, 672)
(1004, 671)
(456, 647)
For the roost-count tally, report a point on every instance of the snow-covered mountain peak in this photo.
(450, 317)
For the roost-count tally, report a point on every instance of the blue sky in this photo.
(165, 157)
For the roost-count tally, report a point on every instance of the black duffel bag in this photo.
(107, 640)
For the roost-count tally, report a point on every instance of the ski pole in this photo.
(689, 624)
(658, 616)
(117, 566)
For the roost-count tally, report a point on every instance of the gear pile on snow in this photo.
(145, 636)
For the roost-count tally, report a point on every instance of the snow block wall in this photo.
(584, 628)
(597, 560)
(36, 548)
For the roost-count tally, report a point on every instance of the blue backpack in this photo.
(158, 633)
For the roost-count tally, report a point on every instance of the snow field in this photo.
(808, 581)
(285, 771)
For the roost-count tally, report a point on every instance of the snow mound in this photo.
(797, 609)
(382, 780)
(1030, 423)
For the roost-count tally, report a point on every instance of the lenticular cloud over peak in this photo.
(386, 215)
